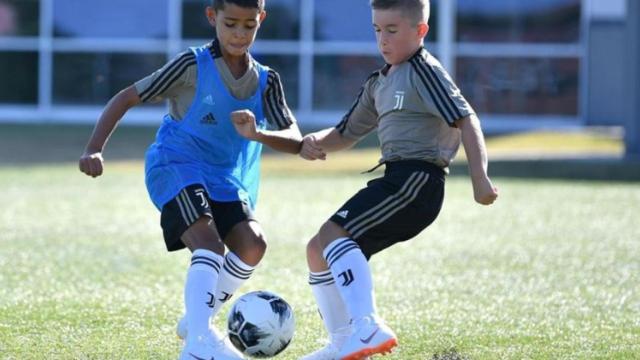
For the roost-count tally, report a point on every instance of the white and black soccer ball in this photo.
(260, 324)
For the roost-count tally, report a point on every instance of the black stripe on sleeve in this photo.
(436, 98)
(441, 98)
(169, 75)
(443, 89)
(274, 99)
(342, 125)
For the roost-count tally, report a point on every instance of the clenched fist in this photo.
(245, 123)
(91, 163)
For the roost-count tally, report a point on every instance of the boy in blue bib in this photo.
(203, 170)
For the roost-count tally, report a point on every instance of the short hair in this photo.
(416, 10)
(253, 4)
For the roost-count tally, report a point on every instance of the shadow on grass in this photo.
(451, 354)
(47, 144)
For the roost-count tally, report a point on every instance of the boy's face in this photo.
(236, 27)
(398, 38)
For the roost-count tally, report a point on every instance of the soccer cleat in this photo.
(204, 348)
(329, 352)
(221, 343)
(370, 337)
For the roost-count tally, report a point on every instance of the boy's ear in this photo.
(423, 29)
(211, 15)
(263, 15)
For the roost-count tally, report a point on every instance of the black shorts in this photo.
(395, 207)
(191, 204)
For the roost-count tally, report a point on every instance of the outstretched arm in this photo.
(287, 140)
(473, 140)
(91, 162)
(316, 145)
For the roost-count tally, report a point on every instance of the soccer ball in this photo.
(260, 324)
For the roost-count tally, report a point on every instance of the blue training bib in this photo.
(204, 147)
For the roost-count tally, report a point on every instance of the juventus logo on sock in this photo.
(347, 277)
(212, 300)
(225, 297)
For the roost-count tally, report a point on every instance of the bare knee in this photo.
(247, 240)
(315, 258)
(314, 248)
(329, 231)
(256, 250)
(200, 235)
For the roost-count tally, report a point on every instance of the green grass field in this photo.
(551, 271)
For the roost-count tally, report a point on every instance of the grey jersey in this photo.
(176, 82)
(414, 109)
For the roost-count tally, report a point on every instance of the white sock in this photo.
(198, 291)
(352, 275)
(234, 273)
(332, 309)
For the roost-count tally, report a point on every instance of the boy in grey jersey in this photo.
(421, 118)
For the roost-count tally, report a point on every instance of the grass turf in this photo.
(551, 271)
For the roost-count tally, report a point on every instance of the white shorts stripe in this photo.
(394, 208)
(383, 203)
(191, 206)
(183, 200)
(183, 210)
(398, 201)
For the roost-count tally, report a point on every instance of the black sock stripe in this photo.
(339, 255)
(339, 246)
(321, 282)
(212, 262)
(338, 249)
(217, 269)
(237, 267)
(320, 276)
(236, 274)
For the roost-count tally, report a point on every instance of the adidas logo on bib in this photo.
(343, 214)
(208, 119)
(208, 100)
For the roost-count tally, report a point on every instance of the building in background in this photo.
(522, 64)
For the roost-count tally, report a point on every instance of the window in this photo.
(282, 22)
(92, 79)
(287, 68)
(432, 35)
(111, 18)
(19, 74)
(19, 17)
(353, 21)
(194, 20)
(338, 79)
(536, 86)
(519, 21)
(341, 20)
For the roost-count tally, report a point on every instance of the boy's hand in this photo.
(91, 163)
(245, 123)
(483, 190)
(310, 149)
